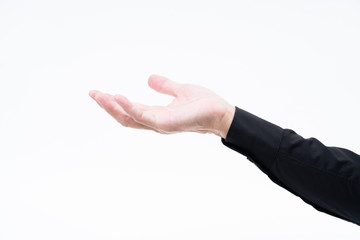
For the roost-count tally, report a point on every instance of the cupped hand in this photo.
(193, 109)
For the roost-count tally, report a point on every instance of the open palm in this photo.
(194, 109)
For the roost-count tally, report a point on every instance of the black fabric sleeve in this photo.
(328, 178)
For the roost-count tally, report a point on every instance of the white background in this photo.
(69, 171)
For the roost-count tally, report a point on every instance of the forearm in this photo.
(327, 178)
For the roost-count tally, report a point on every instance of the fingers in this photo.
(163, 85)
(108, 103)
(140, 113)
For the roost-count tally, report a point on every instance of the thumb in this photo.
(163, 85)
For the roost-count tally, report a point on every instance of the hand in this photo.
(194, 109)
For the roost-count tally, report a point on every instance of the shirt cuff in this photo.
(255, 138)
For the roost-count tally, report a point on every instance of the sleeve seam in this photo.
(319, 169)
(278, 150)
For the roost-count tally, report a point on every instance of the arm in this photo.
(328, 178)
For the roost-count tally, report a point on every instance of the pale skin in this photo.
(193, 109)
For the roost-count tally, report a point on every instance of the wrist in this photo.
(225, 120)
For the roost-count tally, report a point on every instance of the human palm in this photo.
(193, 109)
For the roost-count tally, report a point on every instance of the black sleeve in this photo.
(328, 178)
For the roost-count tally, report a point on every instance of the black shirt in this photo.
(328, 178)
